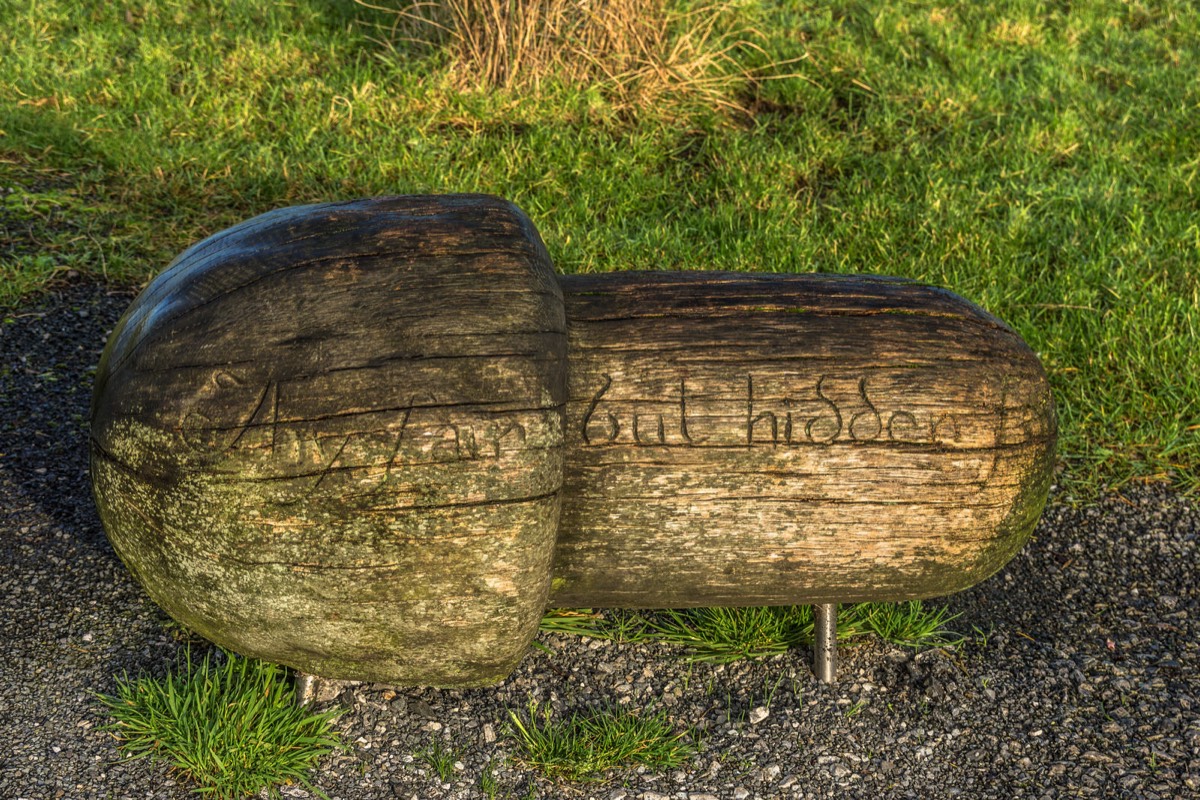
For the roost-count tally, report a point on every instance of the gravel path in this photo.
(1078, 678)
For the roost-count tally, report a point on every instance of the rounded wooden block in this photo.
(754, 439)
(332, 437)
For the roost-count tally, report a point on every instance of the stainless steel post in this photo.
(825, 650)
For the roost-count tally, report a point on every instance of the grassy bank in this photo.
(1038, 160)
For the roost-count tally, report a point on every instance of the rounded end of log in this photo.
(779, 439)
(332, 437)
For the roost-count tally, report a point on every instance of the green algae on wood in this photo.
(332, 437)
(373, 440)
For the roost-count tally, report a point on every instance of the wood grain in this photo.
(332, 437)
(739, 439)
(373, 440)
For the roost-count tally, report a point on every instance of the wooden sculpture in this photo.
(374, 440)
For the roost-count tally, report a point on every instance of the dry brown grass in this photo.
(638, 53)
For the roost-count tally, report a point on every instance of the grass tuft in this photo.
(585, 748)
(618, 625)
(909, 624)
(488, 784)
(636, 53)
(233, 729)
(440, 759)
(724, 635)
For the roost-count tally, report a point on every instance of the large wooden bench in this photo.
(375, 440)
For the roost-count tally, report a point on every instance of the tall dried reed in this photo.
(637, 52)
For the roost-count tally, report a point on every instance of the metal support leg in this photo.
(825, 650)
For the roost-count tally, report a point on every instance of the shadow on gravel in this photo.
(49, 353)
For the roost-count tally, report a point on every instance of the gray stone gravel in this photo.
(1078, 678)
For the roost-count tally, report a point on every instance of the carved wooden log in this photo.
(331, 437)
(743, 439)
(340, 437)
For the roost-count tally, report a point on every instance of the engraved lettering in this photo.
(828, 415)
(398, 434)
(497, 438)
(683, 418)
(765, 416)
(261, 432)
(199, 431)
(243, 427)
(225, 380)
(659, 430)
(266, 413)
(327, 466)
(824, 435)
(937, 426)
(998, 439)
(467, 443)
(447, 443)
(614, 427)
(907, 422)
(856, 431)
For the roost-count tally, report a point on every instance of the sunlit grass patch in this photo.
(616, 624)
(589, 746)
(440, 758)
(907, 624)
(1040, 161)
(231, 728)
(724, 634)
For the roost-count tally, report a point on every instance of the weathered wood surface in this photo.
(372, 440)
(332, 437)
(738, 439)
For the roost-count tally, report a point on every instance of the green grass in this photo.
(489, 785)
(723, 635)
(589, 746)
(1038, 158)
(908, 624)
(440, 759)
(232, 729)
(617, 624)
